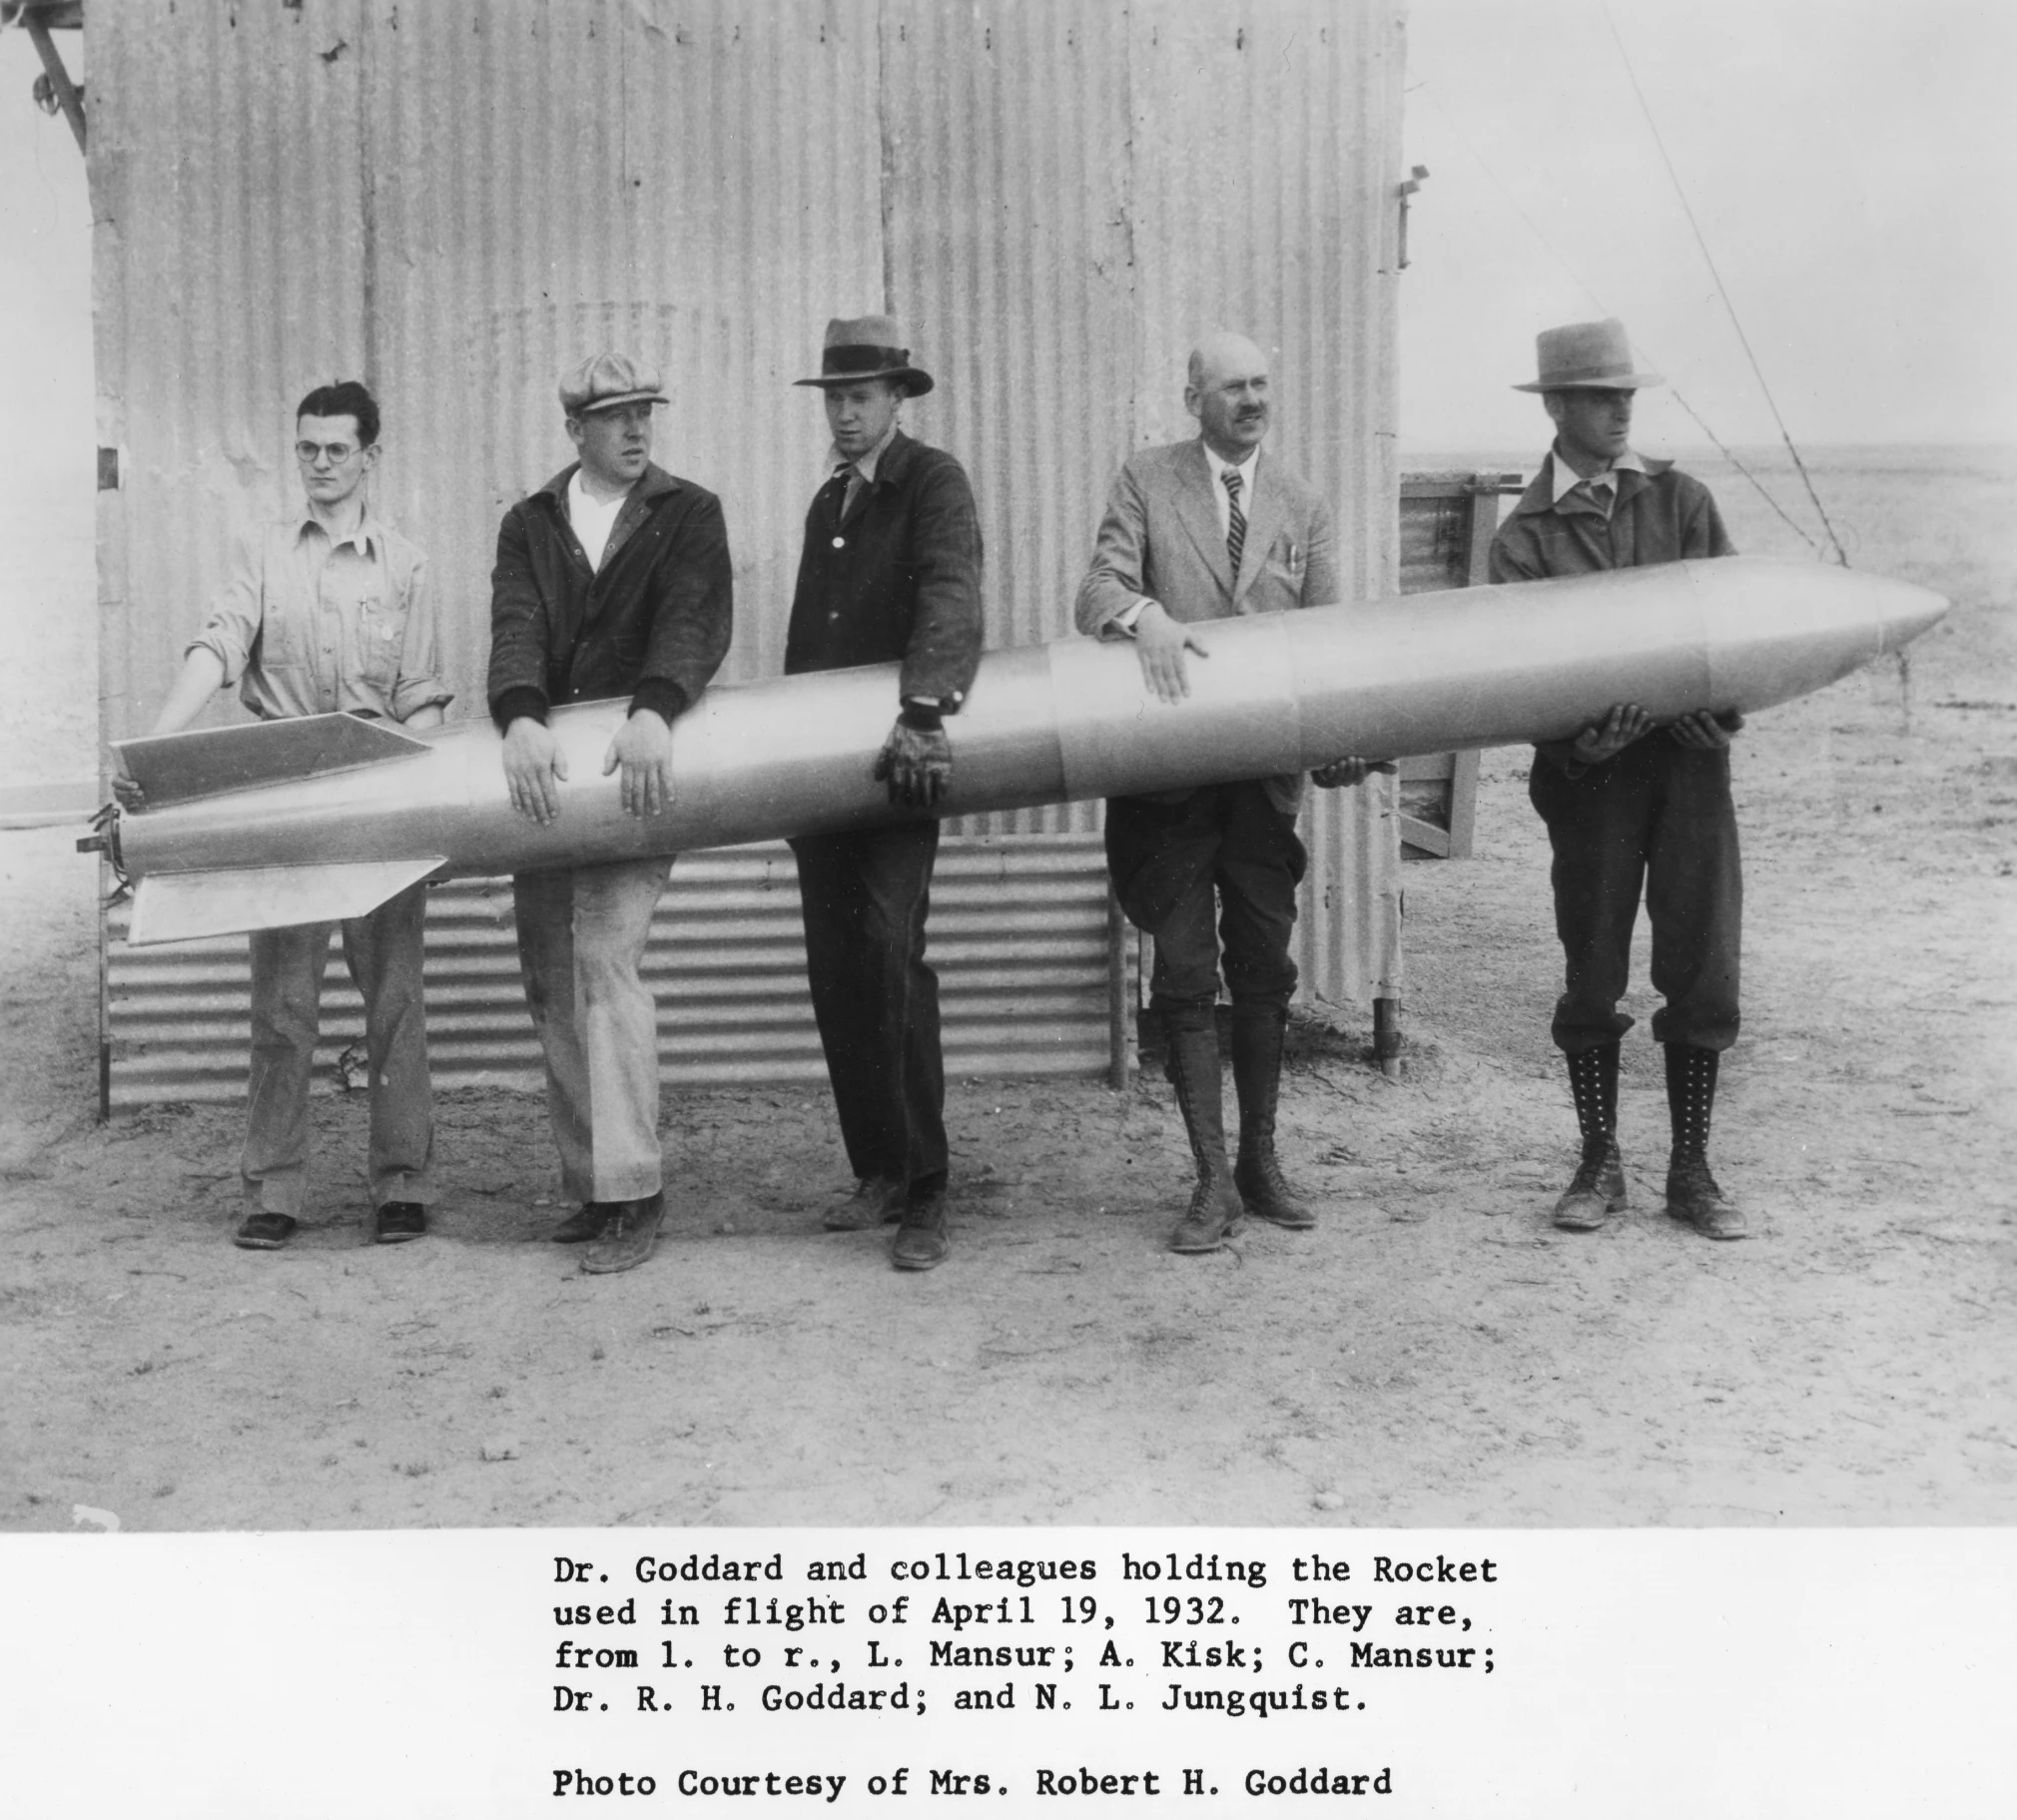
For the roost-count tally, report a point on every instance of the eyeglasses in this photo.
(339, 452)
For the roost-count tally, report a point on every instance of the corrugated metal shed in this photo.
(456, 199)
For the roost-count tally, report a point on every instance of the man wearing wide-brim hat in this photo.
(612, 580)
(890, 573)
(1631, 806)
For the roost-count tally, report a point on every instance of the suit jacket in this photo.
(896, 581)
(1160, 539)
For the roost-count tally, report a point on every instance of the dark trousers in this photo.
(1224, 848)
(864, 897)
(1658, 817)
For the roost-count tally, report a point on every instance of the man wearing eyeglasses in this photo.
(327, 610)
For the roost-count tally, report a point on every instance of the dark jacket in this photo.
(652, 623)
(899, 581)
(1661, 515)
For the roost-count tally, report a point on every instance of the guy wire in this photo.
(1722, 291)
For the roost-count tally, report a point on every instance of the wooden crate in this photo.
(1447, 523)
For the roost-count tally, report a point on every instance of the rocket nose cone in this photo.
(1905, 610)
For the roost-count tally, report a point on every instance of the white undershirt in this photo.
(593, 518)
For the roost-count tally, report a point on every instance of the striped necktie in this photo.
(1235, 522)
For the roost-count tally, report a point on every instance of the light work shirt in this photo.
(310, 624)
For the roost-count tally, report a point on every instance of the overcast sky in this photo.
(1853, 165)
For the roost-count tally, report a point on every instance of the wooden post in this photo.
(1119, 1012)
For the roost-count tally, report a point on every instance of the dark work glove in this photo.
(918, 765)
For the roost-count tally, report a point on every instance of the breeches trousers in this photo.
(1656, 818)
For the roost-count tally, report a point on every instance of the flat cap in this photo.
(607, 379)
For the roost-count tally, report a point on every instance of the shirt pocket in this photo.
(381, 639)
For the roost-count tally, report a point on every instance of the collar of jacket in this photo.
(1539, 494)
(895, 461)
(648, 486)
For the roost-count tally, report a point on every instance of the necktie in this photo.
(1235, 522)
(843, 473)
(1602, 488)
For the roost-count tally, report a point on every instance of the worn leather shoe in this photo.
(1266, 1192)
(1693, 1198)
(397, 1221)
(921, 1241)
(878, 1200)
(1595, 1191)
(627, 1239)
(585, 1226)
(263, 1231)
(1215, 1212)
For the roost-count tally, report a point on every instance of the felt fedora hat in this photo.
(867, 348)
(1587, 357)
(605, 381)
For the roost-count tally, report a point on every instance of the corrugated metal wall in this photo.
(458, 198)
(1018, 937)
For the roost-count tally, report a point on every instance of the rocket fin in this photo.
(178, 766)
(181, 907)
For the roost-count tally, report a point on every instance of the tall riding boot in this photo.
(1597, 1188)
(1692, 1193)
(1194, 1072)
(1256, 1078)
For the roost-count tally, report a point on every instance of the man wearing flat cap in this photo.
(612, 581)
(1631, 806)
(890, 573)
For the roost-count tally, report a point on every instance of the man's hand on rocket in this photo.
(643, 747)
(1706, 732)
(1601, 741)
(1344, 773)
(915, 764)
(1161, 642)
(535, 768)
(128, 794)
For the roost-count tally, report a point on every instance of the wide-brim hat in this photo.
(605, 381)
(867, 348)
(1587, 357)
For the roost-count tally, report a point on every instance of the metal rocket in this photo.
(314, 819)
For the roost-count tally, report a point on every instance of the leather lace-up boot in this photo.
(1193, 1072)
(1256, 1077)
(1596, 1190)
(1692, 1196)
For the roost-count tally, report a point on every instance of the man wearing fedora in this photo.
(1195, 531)
(890, 573)
(1629, 805)
(612, 580)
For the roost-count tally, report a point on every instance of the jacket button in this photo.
(840, 543)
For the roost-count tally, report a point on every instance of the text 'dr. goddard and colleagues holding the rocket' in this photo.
(1222, 676)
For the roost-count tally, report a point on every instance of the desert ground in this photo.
(1433, 1354)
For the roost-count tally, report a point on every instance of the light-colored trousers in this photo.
(581, 939)
(383, 952)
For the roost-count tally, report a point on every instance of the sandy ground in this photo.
(1433, 1354)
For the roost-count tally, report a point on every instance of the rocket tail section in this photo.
(182, 907)
(207, 761)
